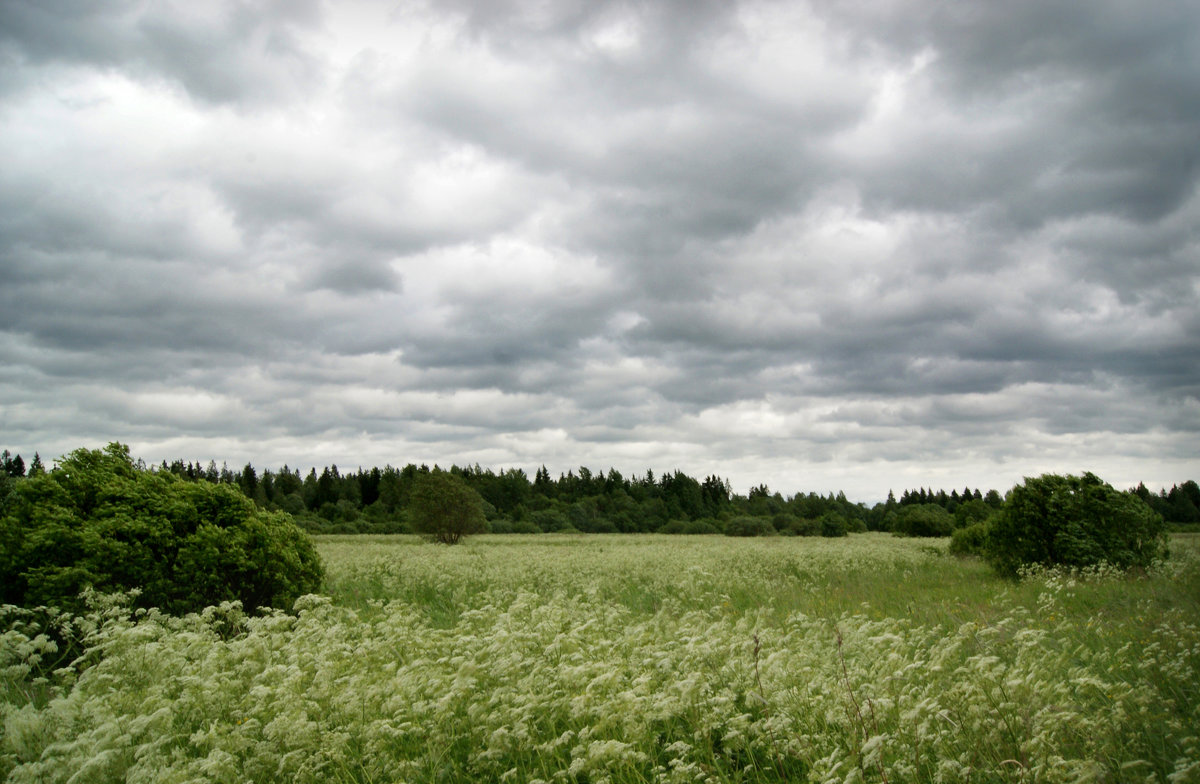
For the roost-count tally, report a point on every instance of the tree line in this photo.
(377, 501)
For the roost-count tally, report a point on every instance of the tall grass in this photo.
(637, 659)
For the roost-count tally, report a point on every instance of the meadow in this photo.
(631, 659)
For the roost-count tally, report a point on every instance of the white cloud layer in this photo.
(823, 245)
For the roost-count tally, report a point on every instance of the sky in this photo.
(822, 246)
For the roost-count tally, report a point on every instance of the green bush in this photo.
(701, 527)
(525, 527)
(782, 522)
(97, 520)
(549, 520)
(971, 512)
(750, 526)
(1074, 521)
(923, 520)
(599, 525)
(970, 540)
(803, 526)
(501, 525)
(834, 524)
(690, 527)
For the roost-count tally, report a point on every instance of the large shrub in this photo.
(969, 540)
(923, 520)
(1073, 521)
(834, 524)
(971, 513)
(97, 520)
(549, 520)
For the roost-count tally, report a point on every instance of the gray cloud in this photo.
(1113, 85)
(218, 52)
(826, 246)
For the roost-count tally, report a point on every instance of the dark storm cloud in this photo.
(350, 277)
(764, 239)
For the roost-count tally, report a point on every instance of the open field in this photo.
(634, 659)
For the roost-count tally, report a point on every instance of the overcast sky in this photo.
(827, 246)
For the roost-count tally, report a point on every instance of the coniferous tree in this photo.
(248, 481)
(13, 466)
(326, 489)
(266, 486)
(288, 482)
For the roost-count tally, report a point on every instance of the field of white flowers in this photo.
(630, 659)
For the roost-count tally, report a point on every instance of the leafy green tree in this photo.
(834, 524)
(584, 515)
(760, 502)
(550, 519)
(98, 520)
(971, 512)
(1073, 521)
(443, 507)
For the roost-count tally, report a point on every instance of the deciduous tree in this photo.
(1074, 521)
(444, 508)
(98, 520)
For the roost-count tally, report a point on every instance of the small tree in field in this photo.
(444, 508)
(1073, 521)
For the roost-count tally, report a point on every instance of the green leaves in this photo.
(97, 520)
(444, 508)
(924, 520)
(1074, 521)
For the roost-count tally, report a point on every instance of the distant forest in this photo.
(375, 501)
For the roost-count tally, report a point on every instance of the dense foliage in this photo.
(445, 508)
(98, 520)
(1074, 521)
(924, 520)
(969, 540)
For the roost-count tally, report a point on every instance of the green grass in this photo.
(639, 659)
(871, 574)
